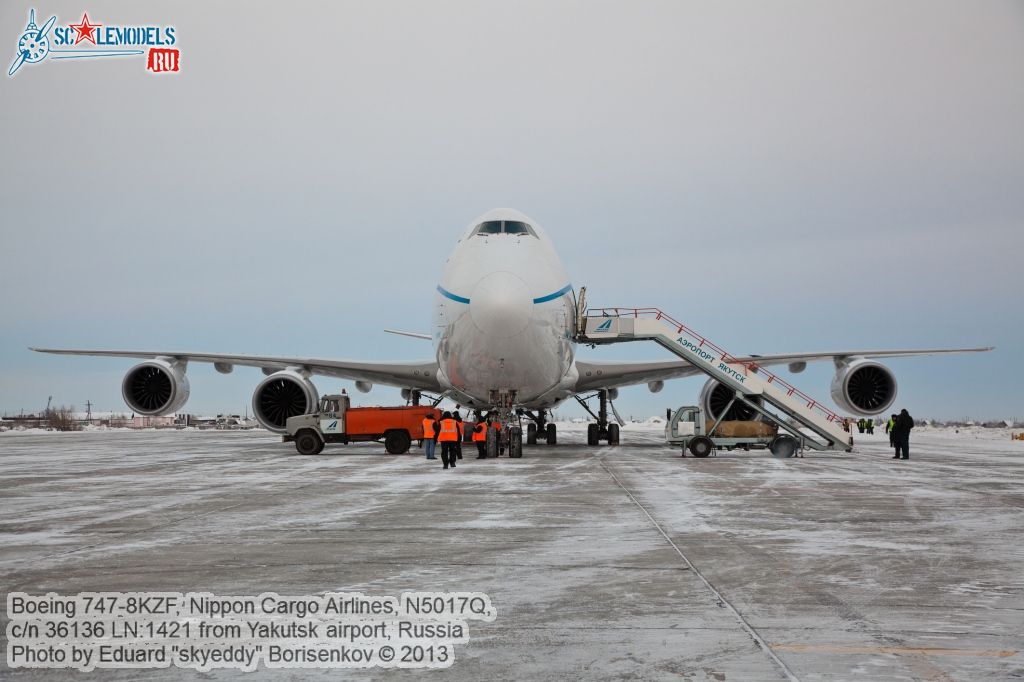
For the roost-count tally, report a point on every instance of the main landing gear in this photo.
(538, 427)
(602, 430)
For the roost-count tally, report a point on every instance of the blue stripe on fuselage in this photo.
(543, 299)
(447, 294)
(550, 297)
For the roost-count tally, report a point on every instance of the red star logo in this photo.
(85, 30)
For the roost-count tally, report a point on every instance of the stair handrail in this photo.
(749, 366)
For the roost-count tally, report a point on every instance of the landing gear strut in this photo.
(602, 430)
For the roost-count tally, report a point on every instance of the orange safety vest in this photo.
(449, 431)
(428, 427)
(496, 425)
(480, 432)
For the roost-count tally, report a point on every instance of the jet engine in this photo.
(863, 386)
(156, 387)
(283, 394)
(714, 397)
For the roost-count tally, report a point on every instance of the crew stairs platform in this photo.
(811, 423)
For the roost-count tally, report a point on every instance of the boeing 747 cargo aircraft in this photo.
(504, 331)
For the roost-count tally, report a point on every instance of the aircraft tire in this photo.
(515, 442)
(491, 444)
(531, 434)
(613, 434)
(593, 434)
(552, 434)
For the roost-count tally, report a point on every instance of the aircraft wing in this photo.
(420, 375)
(596, 374)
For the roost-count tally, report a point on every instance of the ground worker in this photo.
(889, 427)
(447, 436)
(458, 421)
(871, 427)
(901, 431)
(861, 425)
(430, 427)
(480, 437)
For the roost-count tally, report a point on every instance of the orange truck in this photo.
(336, 422)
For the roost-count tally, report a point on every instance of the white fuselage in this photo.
(504, 319)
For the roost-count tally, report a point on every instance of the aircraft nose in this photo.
(500, 304)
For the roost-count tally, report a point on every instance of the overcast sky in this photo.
(296, 188)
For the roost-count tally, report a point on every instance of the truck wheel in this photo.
(593, 434)
(701, 446)
(552, 434)
(307, 442)
(613, 434)
(531, 434)
(397, 442)
(784, 446)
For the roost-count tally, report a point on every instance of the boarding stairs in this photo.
(598, 326)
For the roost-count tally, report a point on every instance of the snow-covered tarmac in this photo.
(603, 563)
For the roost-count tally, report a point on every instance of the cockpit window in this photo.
(492, 227)
(516, 227)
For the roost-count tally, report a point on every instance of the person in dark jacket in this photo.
(901, 434)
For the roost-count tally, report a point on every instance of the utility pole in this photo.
(88, 410)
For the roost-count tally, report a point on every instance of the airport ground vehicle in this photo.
(689, 429)
(336, 422)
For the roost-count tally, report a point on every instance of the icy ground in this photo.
(604, 563)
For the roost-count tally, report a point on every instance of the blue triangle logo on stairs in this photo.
(604, 326)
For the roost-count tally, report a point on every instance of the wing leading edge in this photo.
(595, 375)
(420, 375)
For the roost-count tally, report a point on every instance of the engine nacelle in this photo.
(283, 394)
(714, 397)
(863, 387)
(155, 388)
